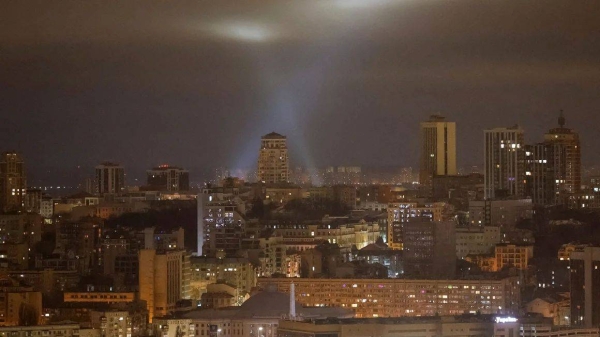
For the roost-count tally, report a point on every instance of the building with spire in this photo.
(567, 159)
(273, 163)
(554, 166)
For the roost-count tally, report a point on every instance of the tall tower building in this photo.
(585, 285)
(13, 183)
(438, 150)
(110, 178)
(539, 175)
(273, 165)
(504, 163)
(554, 166)
(565, 141)
(168, 178)
(163, 280)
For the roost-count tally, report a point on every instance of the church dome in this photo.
(268, 303)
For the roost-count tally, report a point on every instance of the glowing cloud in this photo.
(245, 31)
(355, 4)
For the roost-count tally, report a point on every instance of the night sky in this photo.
(197, 83)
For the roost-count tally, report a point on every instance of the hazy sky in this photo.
(197, 83)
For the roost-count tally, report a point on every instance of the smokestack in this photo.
(292, 301)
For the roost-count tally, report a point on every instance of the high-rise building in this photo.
(273, 165)
(438, 149)
(585, 284)
(164, 279)
(504, 163)
(168, 178)
(401, 213)
(428, 247)
(567, 158)
(110, 178)
(539, 173)
(553, 167)
(13, 183)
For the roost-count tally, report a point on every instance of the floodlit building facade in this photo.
(438, 150)
(237, 272)
(163, 280)
(273, 163)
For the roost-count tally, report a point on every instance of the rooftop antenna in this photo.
(561, 119)
(292, 301)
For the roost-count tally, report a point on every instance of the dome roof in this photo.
(268, 303)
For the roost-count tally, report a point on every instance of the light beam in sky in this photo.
(246, 31)
(290, 100)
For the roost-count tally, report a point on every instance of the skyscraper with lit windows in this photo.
(554, 166)
(566, 142)
(273, 164)
(13, 182)
(504, 162)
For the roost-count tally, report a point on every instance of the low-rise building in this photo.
(564, 252)
(19, 305)
(516, 256)
(99, 297)
(380, 253)
(556, 308)
(63, 330)
(476, 240)
(238, 272)
(504, 213)
(402, 297)
(431, 326)
(258, 316)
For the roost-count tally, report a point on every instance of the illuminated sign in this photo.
(506, 320)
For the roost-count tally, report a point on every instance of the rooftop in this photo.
(273, 135)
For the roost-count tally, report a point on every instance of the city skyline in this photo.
(76, 175)
(332, 168)
(206, 74)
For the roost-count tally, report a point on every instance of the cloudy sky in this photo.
(197, 83)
